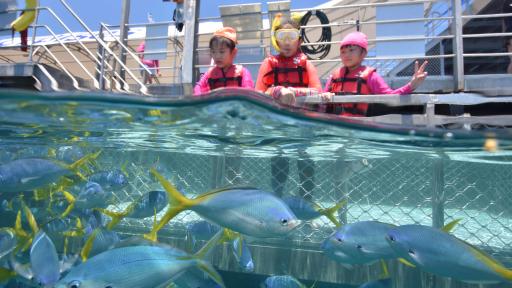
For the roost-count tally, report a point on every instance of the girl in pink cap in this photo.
(225, 74)
(355, 79)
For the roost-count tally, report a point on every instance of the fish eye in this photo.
(359, 246)
(284, 221)
(411, 252)
(391, 238)
(339, 240)
(74, 284)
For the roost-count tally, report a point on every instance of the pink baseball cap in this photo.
(355, 38)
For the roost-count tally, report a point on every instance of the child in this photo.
(289, 74)
(223, 51)
(353, 78)
(152, 65)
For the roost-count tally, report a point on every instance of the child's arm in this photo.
(202, 86)
(247, 79)
(264, 68)
(379, 86)
(314, 81)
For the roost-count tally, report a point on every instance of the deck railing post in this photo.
(191, 28)
(458, 48)
(123, 34)
(438, 197)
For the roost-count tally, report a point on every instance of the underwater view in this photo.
(98, 190)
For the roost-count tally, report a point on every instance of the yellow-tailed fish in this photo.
(440, 253)
(307, 210)
(248, 211)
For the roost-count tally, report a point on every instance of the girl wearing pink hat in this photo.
(355, 79)
(225, 74)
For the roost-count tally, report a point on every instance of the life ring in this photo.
(22, 22)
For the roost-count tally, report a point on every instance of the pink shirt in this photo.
(149, 63)
(202, 86)
(377, 85)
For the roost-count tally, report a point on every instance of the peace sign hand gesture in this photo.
(419, 74)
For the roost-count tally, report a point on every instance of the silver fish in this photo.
(133, 267)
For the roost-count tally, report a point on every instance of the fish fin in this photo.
(83, 161)
(329, 212)
(211, 272)
(223, 189)
(385, 272)
(171, 212)
(123, 168)
(22, 270)
(66, 244)
(490, 262)
(67, 262)
(176, 199)
(6, 274)
(405, 262)
(71, 203)
(30, 218)
(219, 237)
(449, 227)
(86, 250)
(52, 153)
(116, 217)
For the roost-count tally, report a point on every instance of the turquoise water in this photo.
(399, 175)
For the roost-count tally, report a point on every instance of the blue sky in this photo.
(109, 11)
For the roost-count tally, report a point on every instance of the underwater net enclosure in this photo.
(395, 175)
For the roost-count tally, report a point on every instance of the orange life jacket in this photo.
(217, 78)
(287, 71)
(343, 85)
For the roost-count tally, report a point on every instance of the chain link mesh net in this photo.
(398, 189)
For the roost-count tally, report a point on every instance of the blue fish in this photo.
(242, 254)
(306, 210)
(44, 260)
(111, 180)
(200, 230)
(248, 211)
(361, 242)
(29, 174)
(440, 253)
(69, 154)
(381, 283)
(282, 281)
(92, 195)
(134, 267)
(103, 241)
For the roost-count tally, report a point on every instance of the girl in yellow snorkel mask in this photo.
(289, 74)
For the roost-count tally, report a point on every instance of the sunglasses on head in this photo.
(283, 35)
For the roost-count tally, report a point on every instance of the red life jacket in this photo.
(343, 85)
(287, 71)
(217, 78)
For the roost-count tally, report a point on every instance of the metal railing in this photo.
(95, 57)
(451, 13)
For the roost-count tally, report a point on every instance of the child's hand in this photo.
(287, 96)
(419, 74)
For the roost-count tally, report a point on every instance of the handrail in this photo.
(75, 82)
(143, 89)
(137, 59)
(69, 52)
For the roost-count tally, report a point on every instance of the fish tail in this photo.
(71, 203)
(449, 227)
(30, 218)
(86, 250)
(175, 197)
(385, 272)
(115, 217)
(171, 212)
(330, 212)
(83, 161)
